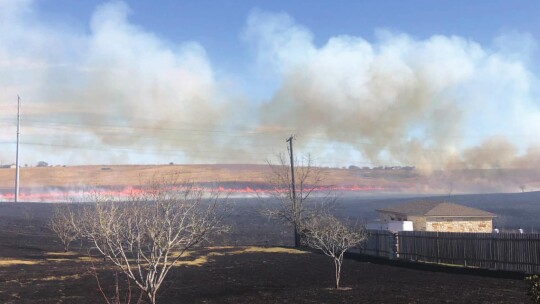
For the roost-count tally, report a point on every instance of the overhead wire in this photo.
(184, 136)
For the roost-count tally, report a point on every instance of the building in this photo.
(439, 216)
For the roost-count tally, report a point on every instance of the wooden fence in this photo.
(502, 251)
(379, 243)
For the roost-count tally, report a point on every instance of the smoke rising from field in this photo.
(399, 98)
(119, 93)
(118, 87)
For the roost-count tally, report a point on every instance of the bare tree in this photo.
(333, 238)
(146, 234)
(118, 297)
(293, 203)
(64, 224)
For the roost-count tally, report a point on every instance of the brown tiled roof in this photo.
(429, 208)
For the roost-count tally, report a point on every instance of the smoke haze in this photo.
(118, 93)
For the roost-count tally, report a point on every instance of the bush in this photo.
(534, 288)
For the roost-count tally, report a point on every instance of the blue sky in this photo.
(221, 20)
(217, 25)
(426, 83)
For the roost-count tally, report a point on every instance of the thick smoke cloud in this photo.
(401, 99)
(117, 93)
(117, 87)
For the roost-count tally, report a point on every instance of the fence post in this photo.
(492, 249)
(394, 237)
(516, 252)
(465, 251)
(437, 242)
(414, 247)
(377, 243)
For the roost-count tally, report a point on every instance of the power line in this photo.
(152, 128)
(213, 154)
(237, 131)
(17, 150)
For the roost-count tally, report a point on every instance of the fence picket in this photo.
(502, 251)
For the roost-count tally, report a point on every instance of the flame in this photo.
(43, 195)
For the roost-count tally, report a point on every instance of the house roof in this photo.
(429, 208)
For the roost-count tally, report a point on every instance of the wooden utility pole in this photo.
(17, 150)
(293, 194)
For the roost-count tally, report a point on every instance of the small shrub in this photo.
(534, 288)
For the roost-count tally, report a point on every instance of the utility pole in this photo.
(17, 150)
(293, 194)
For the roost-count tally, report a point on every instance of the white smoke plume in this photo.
(401, 99)
(117, 93)
(114, 88)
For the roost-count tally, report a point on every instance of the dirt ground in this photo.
(34, 270)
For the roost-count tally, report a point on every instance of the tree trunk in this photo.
(296, 236)
(152, 297)
(337, 264)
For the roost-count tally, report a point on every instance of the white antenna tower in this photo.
(17, 150)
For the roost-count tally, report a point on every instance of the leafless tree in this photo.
(295, 208)
(333, 238)
(64, 224)
(118, 297)
(148, 232)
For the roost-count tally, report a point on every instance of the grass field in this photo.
(130, 175)
(248, 176)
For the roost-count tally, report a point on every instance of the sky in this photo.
(434, 84)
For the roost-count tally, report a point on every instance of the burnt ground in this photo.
(33, 270)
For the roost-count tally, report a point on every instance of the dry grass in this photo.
(197, 262)
(200, 260)
(185, 254)
(14, 262)
(268, 250)
(89, 259)
(123, 175)
(61, 254)
(220, 247)
(127, 175)
(69, 256)
(59, 278)
(60, 260)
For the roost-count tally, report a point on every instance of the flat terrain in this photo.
(55, 182)
(33, 270)
(58, 183)
(130, 175)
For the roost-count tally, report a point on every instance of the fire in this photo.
(42, 195)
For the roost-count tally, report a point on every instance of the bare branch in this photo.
(146, 234)
(63, 224)
(333, 238)
(308, 179)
